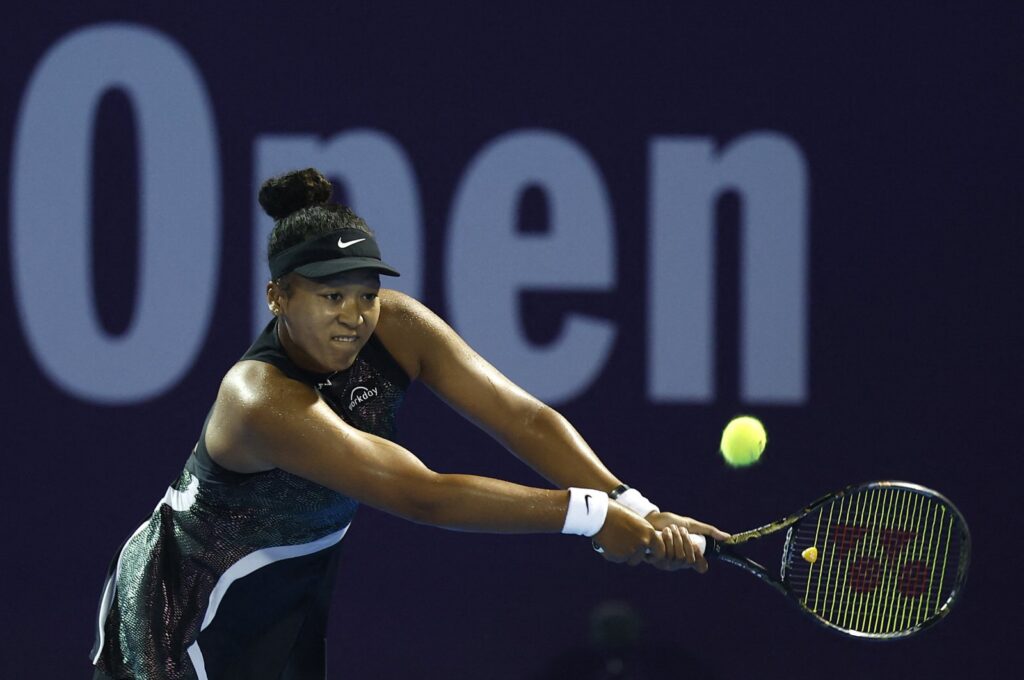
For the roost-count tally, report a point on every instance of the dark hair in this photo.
(299, 203)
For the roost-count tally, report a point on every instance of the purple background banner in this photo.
(654, 216)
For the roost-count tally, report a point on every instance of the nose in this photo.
(349, 314)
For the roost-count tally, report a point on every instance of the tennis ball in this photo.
(743, 440)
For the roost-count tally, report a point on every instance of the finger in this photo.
(668, 563)
(679, 553)
(670, 548)
(674, 558)
(701, 562)
(689, 550)
(673, 551)
(656, 549)
(682, 541)
(698, 527)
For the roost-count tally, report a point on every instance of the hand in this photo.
(627, 537)
(679, 550)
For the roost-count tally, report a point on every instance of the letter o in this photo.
(179, 228)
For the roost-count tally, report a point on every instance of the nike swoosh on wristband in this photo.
(346, 244)
(586, 499)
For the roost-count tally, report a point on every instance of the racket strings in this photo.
(886, 560)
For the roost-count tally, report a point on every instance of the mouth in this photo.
(345, 339)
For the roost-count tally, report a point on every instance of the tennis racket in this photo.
(882, 560)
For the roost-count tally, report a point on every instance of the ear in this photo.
(274, 296)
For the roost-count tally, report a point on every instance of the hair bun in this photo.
(282, 195)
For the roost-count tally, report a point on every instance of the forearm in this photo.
(472, 503)
(549, 444)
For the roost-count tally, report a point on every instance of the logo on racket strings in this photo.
(866, 571)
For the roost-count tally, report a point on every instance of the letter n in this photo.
(767, 172)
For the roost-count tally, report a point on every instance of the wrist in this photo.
(586, 512)
(633, 500)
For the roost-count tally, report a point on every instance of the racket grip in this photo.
(699, 542)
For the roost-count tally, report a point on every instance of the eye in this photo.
(333, 297)
(369, 297)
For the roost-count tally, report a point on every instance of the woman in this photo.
(231, 576)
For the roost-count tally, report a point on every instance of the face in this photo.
(324, 323)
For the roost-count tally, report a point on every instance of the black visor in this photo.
(333, 253)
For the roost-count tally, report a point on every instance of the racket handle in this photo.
(699, 542)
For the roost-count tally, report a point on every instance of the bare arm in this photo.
(271, 421)
(537, 434)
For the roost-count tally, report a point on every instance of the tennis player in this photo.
(231, 576)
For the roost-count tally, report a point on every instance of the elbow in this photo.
(545, 416)
(422, 502)
(541, 421)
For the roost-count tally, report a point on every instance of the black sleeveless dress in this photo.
(232, 574)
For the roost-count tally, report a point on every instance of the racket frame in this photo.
(724, 551)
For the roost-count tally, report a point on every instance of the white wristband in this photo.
(635, 501)
(586, 513)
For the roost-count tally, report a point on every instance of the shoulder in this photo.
(257, 407)
(251, 386)
(400, 311)
(421, 340)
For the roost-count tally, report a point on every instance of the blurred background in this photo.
(655, 216)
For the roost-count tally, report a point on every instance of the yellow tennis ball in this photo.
(743, 441)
